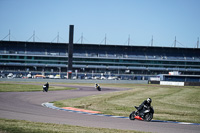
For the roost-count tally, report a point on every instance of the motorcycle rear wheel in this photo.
(148, 117)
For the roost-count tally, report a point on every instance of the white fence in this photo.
(171, 83)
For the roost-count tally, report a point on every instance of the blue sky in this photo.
(117, 19)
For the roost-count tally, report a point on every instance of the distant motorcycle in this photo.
(98, 87)
(46, 87)
(146, 114)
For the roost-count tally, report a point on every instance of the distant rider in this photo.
(97, 86)
(46, 87)
(146, 103)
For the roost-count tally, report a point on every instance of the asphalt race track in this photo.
(27, 106)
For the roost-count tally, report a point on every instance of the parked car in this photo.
(112, 77)
(51, 76)
(39, 76)
(29, 75)
(102, 77)
(10, 76)
(96, 77)
(57, 77)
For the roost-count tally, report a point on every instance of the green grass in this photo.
(169, 102)
(21, 126)
(12, 87)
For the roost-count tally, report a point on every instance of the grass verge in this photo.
(170, 102)
(21, 126)
(13, 87)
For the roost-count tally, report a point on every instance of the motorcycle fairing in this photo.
(138, 117)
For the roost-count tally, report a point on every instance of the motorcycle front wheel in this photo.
(132, 116)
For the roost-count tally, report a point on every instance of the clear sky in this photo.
(117, 19)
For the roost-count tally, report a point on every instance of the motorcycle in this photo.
(146, 114)
(45, 88)
(98, 87)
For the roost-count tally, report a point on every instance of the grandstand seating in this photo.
(105, 56)
(101, 51)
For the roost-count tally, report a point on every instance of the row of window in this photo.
(100, 64)
(100, 60)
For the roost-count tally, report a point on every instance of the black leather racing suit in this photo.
(145, 103)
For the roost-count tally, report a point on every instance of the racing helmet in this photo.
(149, 100)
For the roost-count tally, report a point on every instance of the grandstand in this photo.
(43, 57)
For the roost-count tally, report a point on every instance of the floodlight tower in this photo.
(175, 42)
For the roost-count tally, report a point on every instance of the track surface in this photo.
(27, 106)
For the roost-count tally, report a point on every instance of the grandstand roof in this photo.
(115, 45)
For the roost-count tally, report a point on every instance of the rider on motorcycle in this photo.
(96, 85)
(46, 87)
(146, 103)
(144, 112)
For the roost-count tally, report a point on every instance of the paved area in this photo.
(27, 106)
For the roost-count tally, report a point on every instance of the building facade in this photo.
(44, 57)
